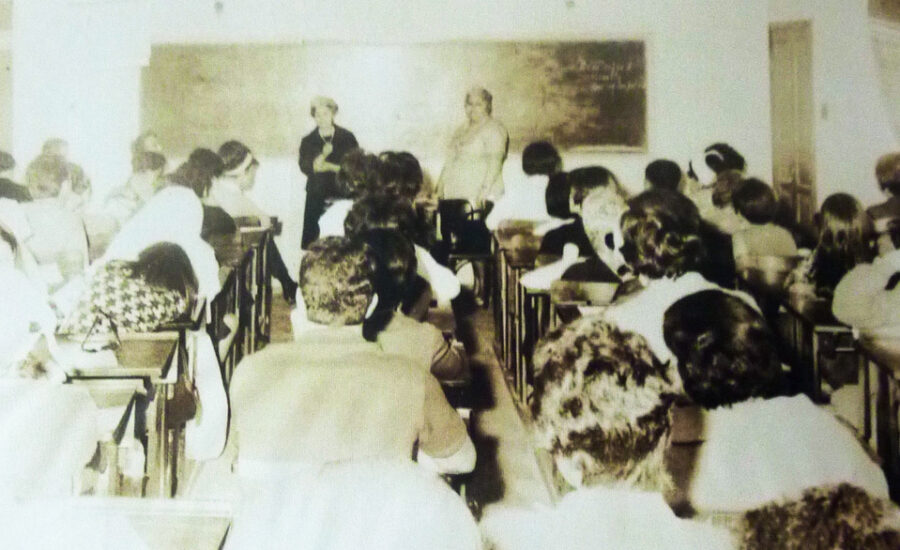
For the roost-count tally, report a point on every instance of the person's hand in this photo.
(327, 148)
(319, 164)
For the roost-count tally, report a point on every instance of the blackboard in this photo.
(405, 96)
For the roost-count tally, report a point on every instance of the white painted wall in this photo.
(852, 124)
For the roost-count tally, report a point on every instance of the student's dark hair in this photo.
(191, 176)
(359, 174)
(721, 156)
(381, 212)
(662, 233)
(233, 153)
(392, 271)
(823, 518)
(540, 157)
(755, 201)
(208, 162)
(584, 180)
(166, 265)
(556, 196)
(7, 162)
(845, 239)
(726, 352)
(401, 174)
(148, 161)
(663, 173)
(47, 171)
(887, 170)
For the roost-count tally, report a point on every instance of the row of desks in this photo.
(157, 368)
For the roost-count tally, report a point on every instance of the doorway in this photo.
(793, 159)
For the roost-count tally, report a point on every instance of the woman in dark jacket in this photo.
(321, 152)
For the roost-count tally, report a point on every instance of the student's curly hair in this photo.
(846, 238)
(334, 281)
(726, 352)
(392, 270)
(401, 174)
(662, 233)
(601, 404)
(824, 518)
(382, 212)
(359, 175)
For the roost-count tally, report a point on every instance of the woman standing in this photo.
(476, 155)
(321, 152)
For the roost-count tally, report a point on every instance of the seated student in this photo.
(710, 183)
(386, 212)
(139, 296)
(823, 518)
(345, 398)
(601, 409)
(393, 272)
(666, 251)
(755, 202)
(230, 192)
(9, 189)
(51, 175)
(758, 447)
(197, 174)
(26, 313)
(845, 240)
(146, 179)
(886, 215)
(525, 200)
(663, 173)
(565, 197)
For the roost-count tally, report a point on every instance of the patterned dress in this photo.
(116, 295)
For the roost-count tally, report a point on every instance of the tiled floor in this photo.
(507, 469)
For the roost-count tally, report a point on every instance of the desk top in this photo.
(885, 352)
(138, 356)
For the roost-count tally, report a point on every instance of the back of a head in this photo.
(7, 162)
(55, 147)
(663, 173)
(824, 518)
(166, 265)
(233, 153)
(584, 180)
(207, 162)
(725, 184)
(755, 201)
(46, 172)
(401, 174)
(726, 352)
(887, 170)
(334, 281)
(845, 234)
(662, 236)
(359, 174)
(148, 161)
(721, 156)
(381, 212)
(147, 142)
(541, 157)
(392, 270)
(191, 176)
(601, 405)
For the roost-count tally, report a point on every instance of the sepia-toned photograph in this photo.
(450, 275)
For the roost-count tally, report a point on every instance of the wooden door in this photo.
(793, 159)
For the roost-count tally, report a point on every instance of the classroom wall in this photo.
(852, 122)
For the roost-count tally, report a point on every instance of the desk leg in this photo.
(816, 382)
(157, 445)
(886, 426)
(867, 399)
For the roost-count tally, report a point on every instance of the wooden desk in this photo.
(884, 355)
(159, 360)
(810, 321)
